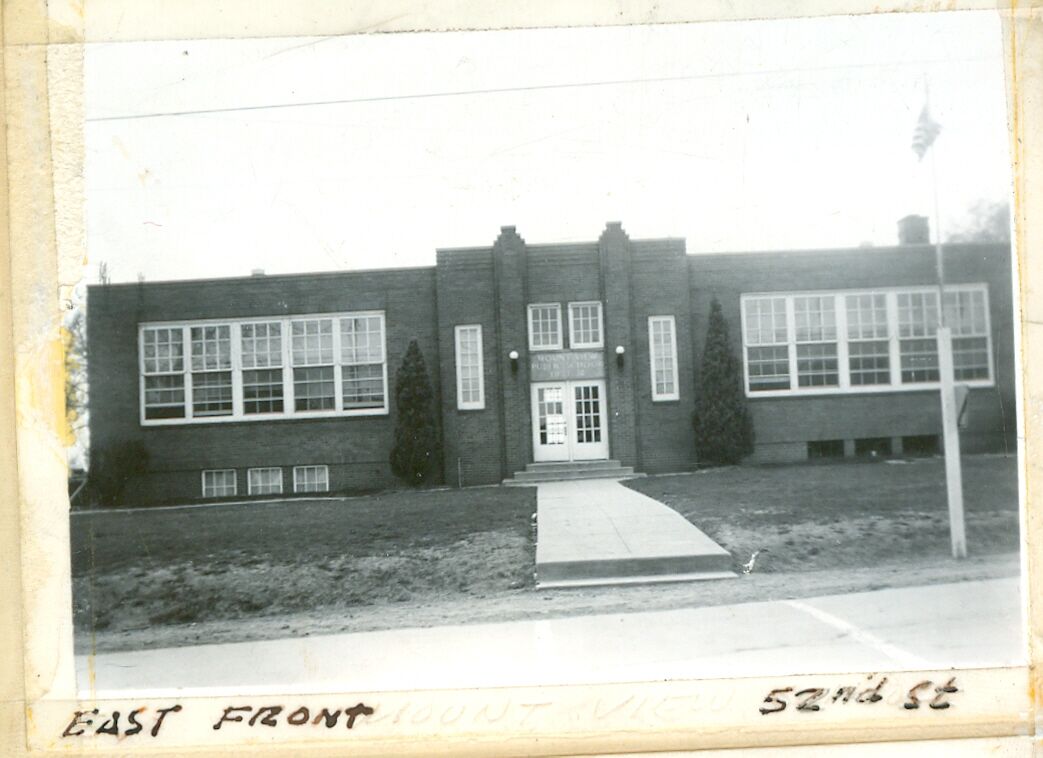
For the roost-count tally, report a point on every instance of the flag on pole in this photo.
(926, 131)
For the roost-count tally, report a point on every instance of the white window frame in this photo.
(843, 338)
(461, 404)
(561, 336)
(663, 396)
(573, 342)
(250, 489)
(289, 404)
(179, 374)
(235, 481)
(299, 470)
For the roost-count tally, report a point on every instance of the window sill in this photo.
(864, 390)
(261, 417)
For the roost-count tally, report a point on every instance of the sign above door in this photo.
(566, 364)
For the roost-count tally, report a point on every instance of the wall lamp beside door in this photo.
(513, 355)
(620, 352)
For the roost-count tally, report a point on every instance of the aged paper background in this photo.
(42, 156)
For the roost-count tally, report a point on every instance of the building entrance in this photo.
(569, 421)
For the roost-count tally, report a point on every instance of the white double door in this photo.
(569, 421)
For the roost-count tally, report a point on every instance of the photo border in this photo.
(41, 262)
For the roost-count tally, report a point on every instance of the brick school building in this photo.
(542, 355)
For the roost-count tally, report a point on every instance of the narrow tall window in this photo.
(815, 328)
(211, 370)
(585, 330)
(767, 344)
(362, 361)
(262, 367)
(314, 384)
(545, 327)
(311, 479)
(163, 367)
(966, 315)
(219, 483)
(917, 329)
(869, 355)
(662, 344)
(470, 384)
(264, 481)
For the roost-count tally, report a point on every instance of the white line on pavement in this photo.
(869, 639)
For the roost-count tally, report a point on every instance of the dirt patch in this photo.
(527, 603)
(480, 565)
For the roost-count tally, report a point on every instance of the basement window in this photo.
(921, 445)
(818, 449)
(873, 447)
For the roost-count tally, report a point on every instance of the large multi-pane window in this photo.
(362, 361)
(311, 354)
(585, 329)
(470, 389)
(862, 341)
(868, 349)
(966, 311)
(163, 369)
(211, 370)
(815, 325)
(263, 368)
(545, 327)
(917, 327)
(767, 344)
(662, 342)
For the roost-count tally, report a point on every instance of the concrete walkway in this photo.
(965, 624)
(597, 531)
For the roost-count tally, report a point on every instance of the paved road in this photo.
(965, 624)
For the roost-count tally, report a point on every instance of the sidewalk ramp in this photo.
(598, 532)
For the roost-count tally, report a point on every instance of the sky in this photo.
(215, 158)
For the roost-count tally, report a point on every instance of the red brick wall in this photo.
(473, 438)
(492, 286)
(660, 288)
(784, 425)
(355, 448)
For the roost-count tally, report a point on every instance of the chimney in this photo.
(257, 272)
(913, 230)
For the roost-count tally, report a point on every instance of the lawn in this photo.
(158, 577)
(844, 515)
(155, 567)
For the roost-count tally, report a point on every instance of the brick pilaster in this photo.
(614, 256)
(510, 275)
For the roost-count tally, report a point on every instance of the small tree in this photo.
(723, 430)
(416, 448)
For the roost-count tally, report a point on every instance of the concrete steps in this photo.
(570, 470)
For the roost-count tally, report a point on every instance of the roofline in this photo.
(568, 243)
(264, 277)
(919, 247)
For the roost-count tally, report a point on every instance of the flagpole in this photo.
(947, 383)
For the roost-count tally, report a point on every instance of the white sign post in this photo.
(951, 441)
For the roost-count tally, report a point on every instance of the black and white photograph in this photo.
(557, 356)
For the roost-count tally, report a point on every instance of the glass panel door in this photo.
(549, 422)
(569, 421)
(589, 439)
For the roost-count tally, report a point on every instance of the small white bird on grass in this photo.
(747, 567)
